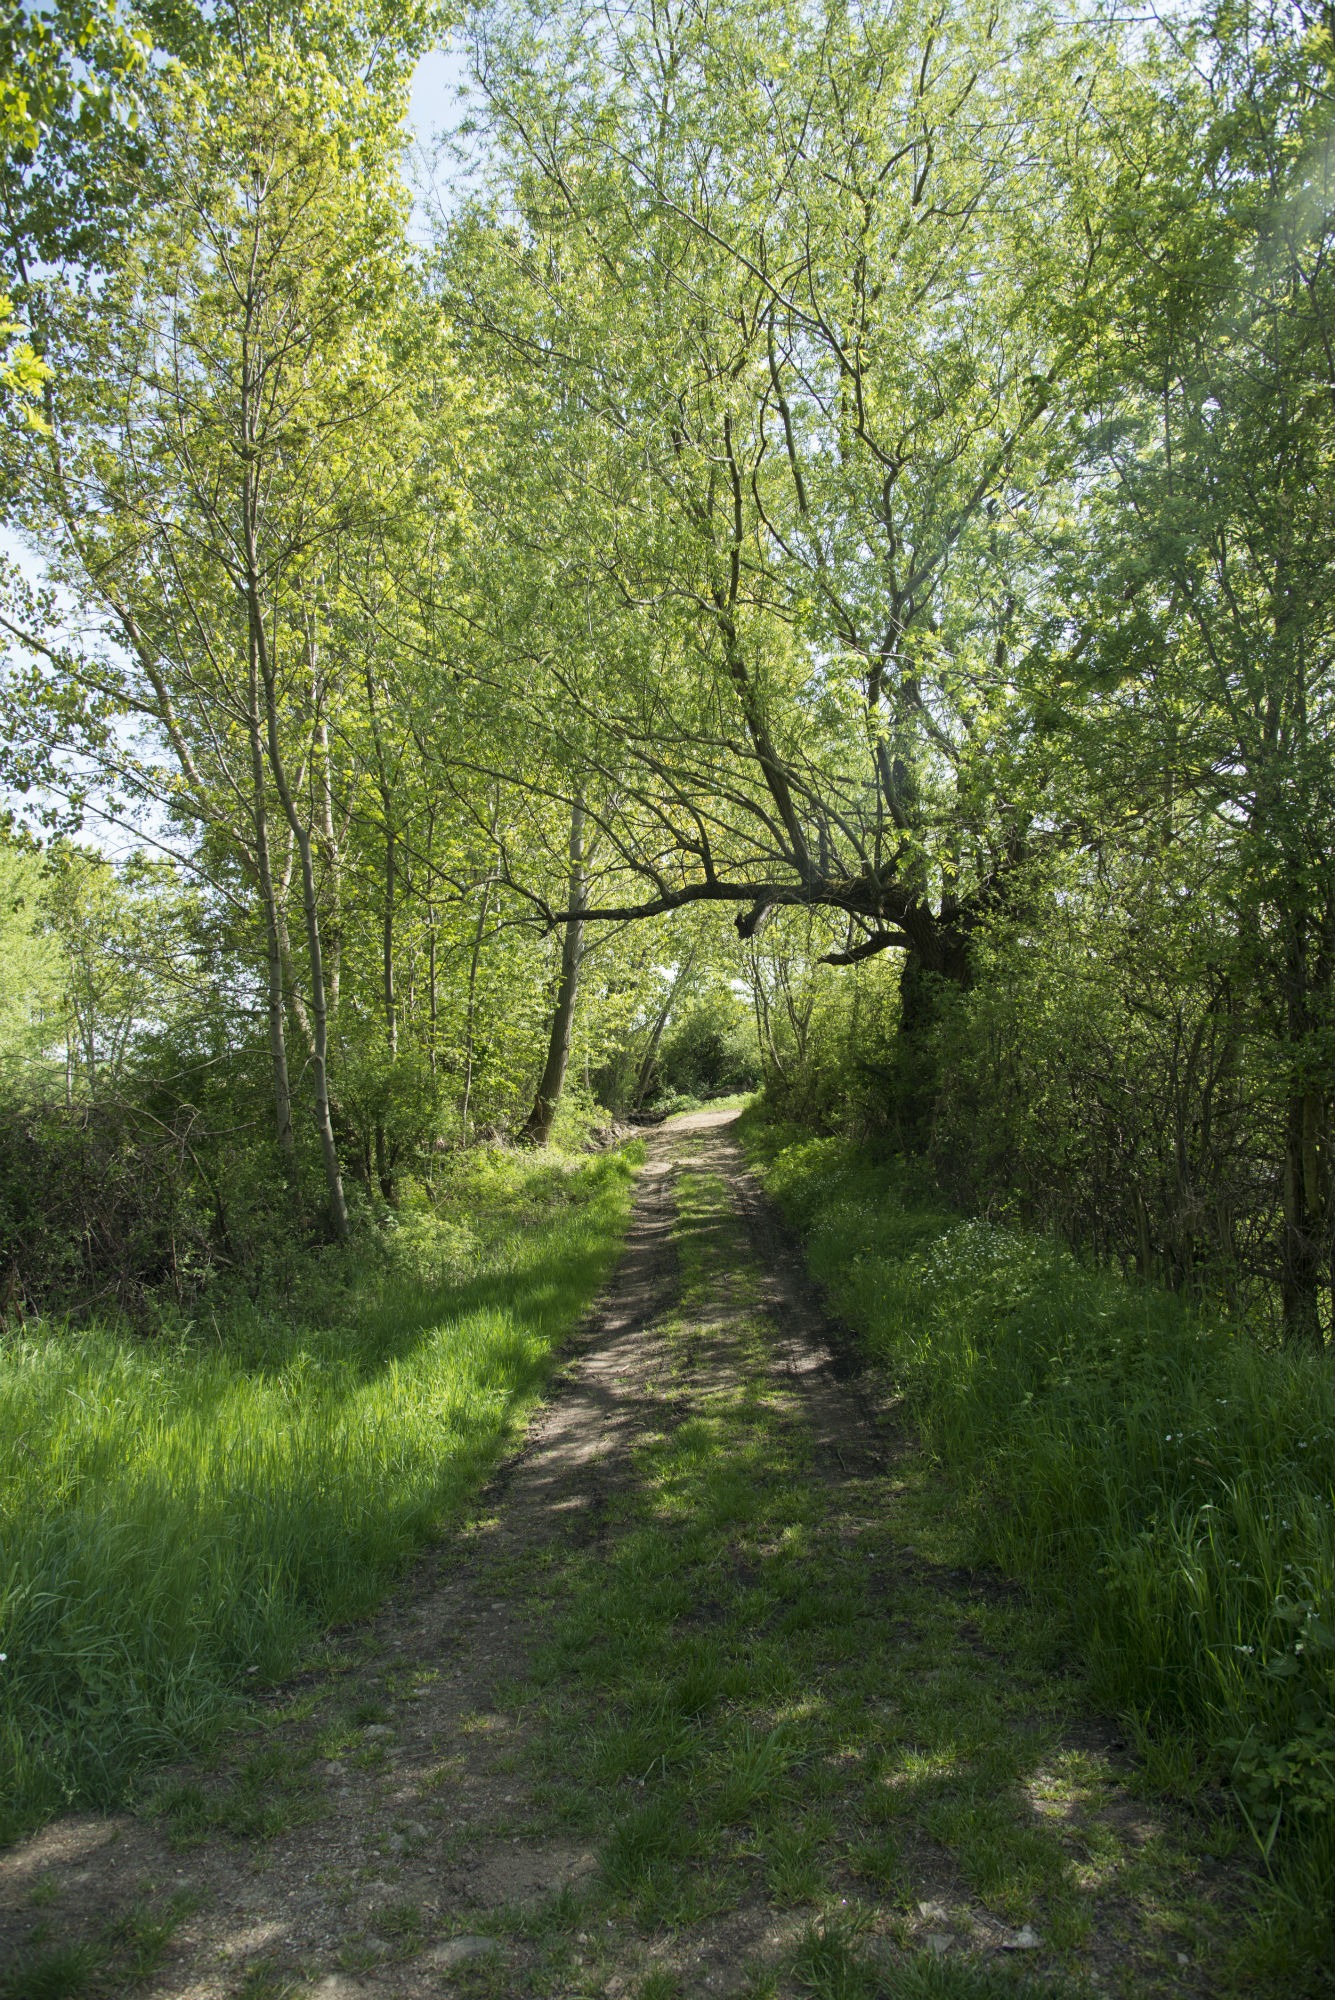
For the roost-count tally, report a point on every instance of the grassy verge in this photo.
(1163, 1481)
(181, 1515)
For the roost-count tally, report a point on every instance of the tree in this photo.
(786, 448)
(223, 446)
(68, 77)
(537, 1126)
(1211, 552)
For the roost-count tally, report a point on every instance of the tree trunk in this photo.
(262, 663)
(338, 1210)
(645, 1076)
(466, 1103)
(432, 1005)
(537, 1127)
(432, 997)
(319, 1007)
(1307, 1201)
(771, 1061)
(391, 1002)
(333, 929)
(478, 934)
(923, 981)
(1302, 1245)
(384, 1165)
(282, 1087)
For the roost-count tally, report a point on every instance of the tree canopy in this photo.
(837, 514)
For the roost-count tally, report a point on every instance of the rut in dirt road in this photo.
(705, 1700)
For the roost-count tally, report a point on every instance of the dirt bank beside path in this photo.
(703, 1700)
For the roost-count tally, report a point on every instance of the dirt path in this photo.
(703, 1701)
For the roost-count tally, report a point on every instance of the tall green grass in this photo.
(1158, 1474)
(177, 1516)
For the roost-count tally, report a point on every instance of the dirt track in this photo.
(427, 1855)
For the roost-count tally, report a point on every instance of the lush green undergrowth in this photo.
(1163, 1478)
(179, 1515)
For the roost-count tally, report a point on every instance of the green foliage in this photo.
(890, 565)
(1111, 1078)
(391, 1108)
(710, 1052)
(64, 61)
(97, 1209)
(1160, 1478)
(31, 972)
(180, 1515)
(22, 374)
(907, 528)
(830, 1048)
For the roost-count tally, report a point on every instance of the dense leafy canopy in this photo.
(863, 467)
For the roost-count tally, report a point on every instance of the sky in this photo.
(434, 109)
(434, 103)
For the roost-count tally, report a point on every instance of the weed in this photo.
(957, 1979)
(751, 1769)
(660, 1984)
(357, 1956)
(794, 1873)
(641, 1844)
(400, 1920)
(877, 1861)
(140, 1938)
(125, 1953)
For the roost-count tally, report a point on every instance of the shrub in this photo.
(710, 1053)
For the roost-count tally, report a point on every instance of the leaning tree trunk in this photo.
(646, 1070)
(537, 1129)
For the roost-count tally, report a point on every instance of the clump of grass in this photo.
(179, 1516)
(830, 1963)
(124, 1954)
(56, 1972)
(1162, 1477)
